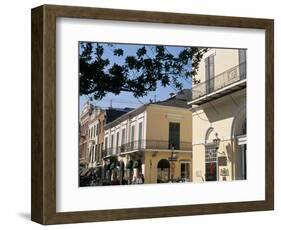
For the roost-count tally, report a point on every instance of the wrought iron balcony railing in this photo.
(107, 152)
(230, 76)
(142, 145)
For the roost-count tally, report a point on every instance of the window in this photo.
(211, 163)
(112, 140)
(94, 133)
(209, 72)
(174, 135)
(241, 163)
(117, 141)
(132, 137)
(97, 129)
(185, 171)
(123, 137)
(90, 155)
(133, 133)
(96, 152)
(140, 135)
(122, 149)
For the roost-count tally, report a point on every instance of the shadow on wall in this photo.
(229, 152)
(214, 113)
(226, 108)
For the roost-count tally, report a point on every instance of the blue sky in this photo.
(126, 99)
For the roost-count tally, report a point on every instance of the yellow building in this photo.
(219, 116)
(151, 144)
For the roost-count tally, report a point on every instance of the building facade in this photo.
(94, 138)
(83, 134)
(96, 122)
(151, 144)
(219, 116)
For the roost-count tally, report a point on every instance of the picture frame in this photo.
(43, 170)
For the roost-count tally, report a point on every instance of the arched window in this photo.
(210, 135)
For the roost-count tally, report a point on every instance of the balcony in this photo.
(225, 83)
(142, 145)
(107, 152)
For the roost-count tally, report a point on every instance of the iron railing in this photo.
(226, 78)
(142, 145)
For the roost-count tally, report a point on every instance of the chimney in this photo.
(172, 94)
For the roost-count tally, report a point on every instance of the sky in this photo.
(126, 99)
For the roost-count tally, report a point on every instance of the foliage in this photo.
(139, 74)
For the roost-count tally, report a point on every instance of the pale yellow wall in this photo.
(158, 118)
(224, 59)
(150, 161)
(152, 158)
(198, 159)
(220, 115)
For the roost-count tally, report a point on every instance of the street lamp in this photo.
(217, 141)
(222, 160)
(172, 159)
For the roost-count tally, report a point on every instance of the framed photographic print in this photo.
(141, 114)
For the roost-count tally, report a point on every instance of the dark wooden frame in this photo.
(43, 197)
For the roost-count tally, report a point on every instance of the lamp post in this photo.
(222, 160)
(216, 141)
(172, 158)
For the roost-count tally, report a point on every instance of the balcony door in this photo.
(211, 163)
(174, 135)
(209, 72)
(140, 141)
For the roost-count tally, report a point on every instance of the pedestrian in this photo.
(134, 181)
(142, 178)
(138, 180)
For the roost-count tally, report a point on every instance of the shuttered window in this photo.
(140, 135)
(174, 135)
(123, 137)
(112, 141)
(133, 133)
(209, 72)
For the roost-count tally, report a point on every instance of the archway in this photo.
(239, 143)
(163, 171)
